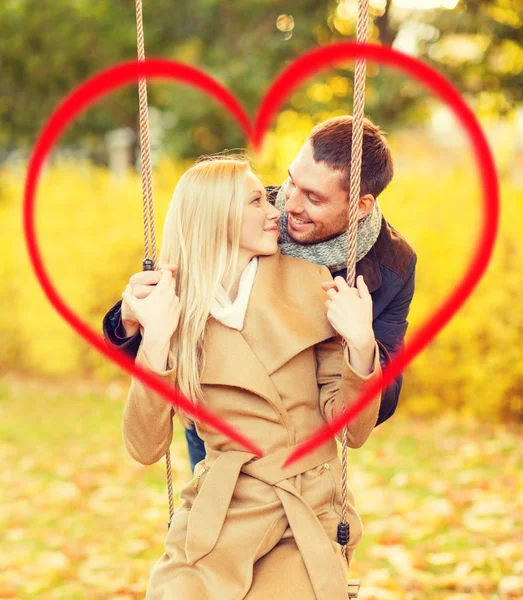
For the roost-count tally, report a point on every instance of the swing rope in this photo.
(145, 150)
(149, 262)
(355, 182)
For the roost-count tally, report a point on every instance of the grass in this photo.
(440, 501)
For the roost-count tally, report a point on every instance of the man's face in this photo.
(314, 197)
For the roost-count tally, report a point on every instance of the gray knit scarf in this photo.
(332, 253)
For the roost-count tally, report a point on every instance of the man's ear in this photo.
(365, 205)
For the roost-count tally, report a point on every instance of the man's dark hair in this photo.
(331, 143)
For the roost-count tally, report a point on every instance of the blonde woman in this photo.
(253, 335)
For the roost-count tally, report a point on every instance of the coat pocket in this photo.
(190, 489)
(197, 479)
(326, 467)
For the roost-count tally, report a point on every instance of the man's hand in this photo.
(141, 285)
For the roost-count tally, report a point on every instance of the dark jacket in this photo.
(389, 272)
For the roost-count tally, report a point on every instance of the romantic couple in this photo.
(246, 315)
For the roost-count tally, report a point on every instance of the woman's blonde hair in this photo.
(202, 236)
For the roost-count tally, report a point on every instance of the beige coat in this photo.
(246, 528)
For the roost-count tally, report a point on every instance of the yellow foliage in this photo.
(90, 235)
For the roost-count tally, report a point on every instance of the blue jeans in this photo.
(196, 447)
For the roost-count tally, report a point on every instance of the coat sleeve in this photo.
(147, 425)
(340, 385)
(115, 336)
(390, 329)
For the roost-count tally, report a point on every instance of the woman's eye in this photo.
(256, 200)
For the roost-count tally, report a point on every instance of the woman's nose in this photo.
(274, 215)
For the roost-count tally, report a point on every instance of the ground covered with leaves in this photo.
(441, 502)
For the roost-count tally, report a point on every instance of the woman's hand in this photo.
(159, 311)
(349, 310)
(142, 284)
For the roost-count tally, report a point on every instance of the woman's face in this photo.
(259, 232)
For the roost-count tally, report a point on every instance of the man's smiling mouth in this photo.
(297, 222)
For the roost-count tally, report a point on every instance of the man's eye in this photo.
(313, 201)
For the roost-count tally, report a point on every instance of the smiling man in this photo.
(314, 205)
(327, 215)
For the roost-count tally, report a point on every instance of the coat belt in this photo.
(209, 510)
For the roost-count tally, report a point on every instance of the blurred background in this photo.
(439, 484)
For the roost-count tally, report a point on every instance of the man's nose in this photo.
(293, 203)
(286, 189)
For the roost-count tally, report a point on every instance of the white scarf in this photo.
(232, 314)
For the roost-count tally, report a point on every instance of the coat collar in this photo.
(369, 267)
(286, 314)
(391, 251)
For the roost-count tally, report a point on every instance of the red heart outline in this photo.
(302, 68)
